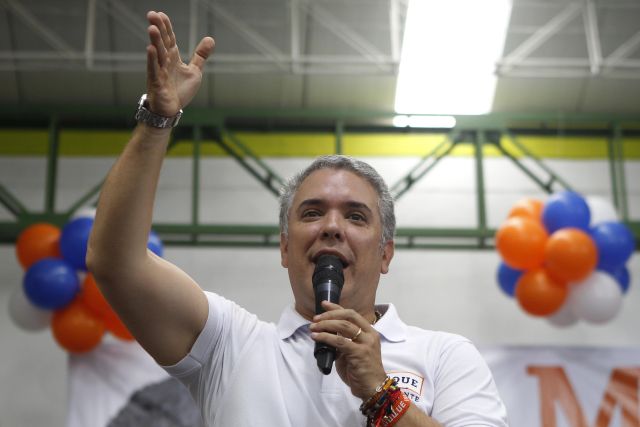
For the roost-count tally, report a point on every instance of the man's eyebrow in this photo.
(358, 205)
(352, 204)
(309, 202)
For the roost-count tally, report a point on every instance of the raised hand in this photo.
(171, 84)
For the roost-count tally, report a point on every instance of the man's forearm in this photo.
(125, 208)
(414, 417)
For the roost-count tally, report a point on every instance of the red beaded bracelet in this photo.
(398, 404)
(386, 406)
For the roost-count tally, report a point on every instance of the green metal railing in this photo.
(222, 126)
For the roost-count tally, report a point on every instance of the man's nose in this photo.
(332, 227)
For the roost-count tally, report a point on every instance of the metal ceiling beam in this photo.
(90, 34)
(252, 37)
(565, 73)
(196, 234)
(623, 51)
(193, 26)
(353, 39)
(425, 165)
(394, 30)
(63, 49)
(616, 66)
(294, 22)
(543, 34)
(125, 16)
(594, 49)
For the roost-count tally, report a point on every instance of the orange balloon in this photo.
(520, 241)
(116, 327)
(36, 242)
(538, 294)
(76, 329)
(92, 298)
(570, 255)
(528, 207)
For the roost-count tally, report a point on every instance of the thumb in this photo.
(203, 50)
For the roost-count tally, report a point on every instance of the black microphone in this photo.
(327, 285)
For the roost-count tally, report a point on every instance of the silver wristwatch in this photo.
(144, 115)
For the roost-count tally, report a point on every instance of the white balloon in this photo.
(601, 210)
(597, 299)
(26, 315)
(86, 212)
(563, 317)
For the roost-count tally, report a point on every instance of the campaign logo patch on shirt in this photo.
(409, 382)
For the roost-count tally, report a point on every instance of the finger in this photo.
(342, 344)
(158, 44)
(170, 34)
(202, 52)
(154, 18)
(334, 311)
(342, 327)
(165, 30)
(152, 63)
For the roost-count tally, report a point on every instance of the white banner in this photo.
(567, 387)
(541, 386)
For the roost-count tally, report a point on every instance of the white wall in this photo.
(445, 290)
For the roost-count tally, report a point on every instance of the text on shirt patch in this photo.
(409, 382)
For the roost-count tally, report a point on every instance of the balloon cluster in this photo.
(565, 259)
(58, 291)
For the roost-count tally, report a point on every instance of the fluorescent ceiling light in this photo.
(449, 53)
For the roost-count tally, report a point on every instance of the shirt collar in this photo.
(290, 321)
(390, 326)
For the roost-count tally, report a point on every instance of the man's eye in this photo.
(310, 214)
(356, 217)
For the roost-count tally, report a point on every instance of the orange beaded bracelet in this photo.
(387, 405)
(398, 404)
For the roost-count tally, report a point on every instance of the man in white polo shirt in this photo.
(245, 372)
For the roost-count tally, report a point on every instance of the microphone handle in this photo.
(325, 354)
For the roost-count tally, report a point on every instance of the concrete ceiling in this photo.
(560, 55)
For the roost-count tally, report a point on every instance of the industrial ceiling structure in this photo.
(312, 66)
(559, 55)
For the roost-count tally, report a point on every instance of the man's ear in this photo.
(284, 250)
(387, 255)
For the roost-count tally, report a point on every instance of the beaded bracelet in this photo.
(373, 404)
(398, 404)
(386, 406)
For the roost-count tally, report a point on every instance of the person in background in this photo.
(245, 372)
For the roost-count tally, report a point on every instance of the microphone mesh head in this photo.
(328, 267)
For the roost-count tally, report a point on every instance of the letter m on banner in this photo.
(556, 391)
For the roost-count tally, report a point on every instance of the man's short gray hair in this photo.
(360, 168)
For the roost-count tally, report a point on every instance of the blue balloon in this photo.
(507, 278)
(566, 209)
(615, 243)
(155, 244)
(51, 283)
(73, 241)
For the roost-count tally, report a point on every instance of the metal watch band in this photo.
(144, 115)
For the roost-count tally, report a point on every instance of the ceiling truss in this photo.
(521, 62)
(57, 52)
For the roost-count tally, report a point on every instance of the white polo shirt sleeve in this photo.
(465, 393)
(209, 364)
